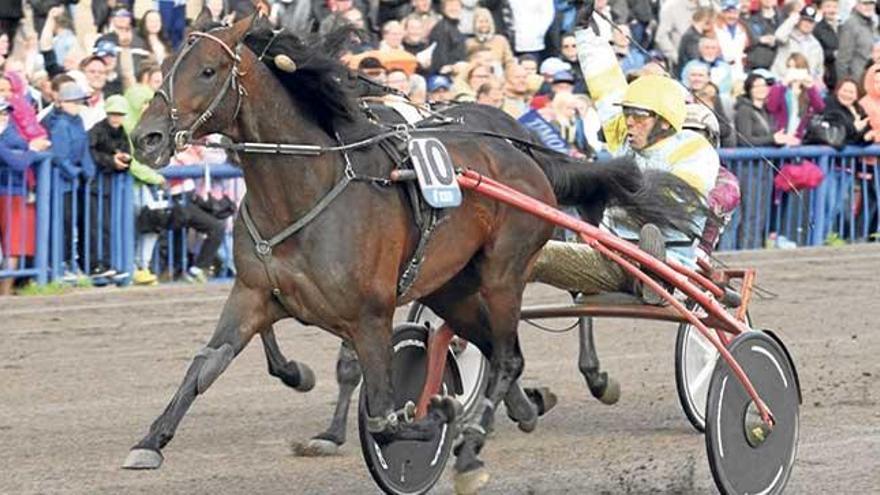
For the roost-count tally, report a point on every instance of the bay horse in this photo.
(340, 268)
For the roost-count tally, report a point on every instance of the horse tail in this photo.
(650, 196)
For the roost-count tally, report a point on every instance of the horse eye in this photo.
(208, 73)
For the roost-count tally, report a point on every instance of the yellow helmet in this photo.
(659, 94)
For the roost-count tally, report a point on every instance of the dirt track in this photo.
(83, 375)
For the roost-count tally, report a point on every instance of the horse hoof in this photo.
(470, 482)
(611, 394)
(306, 378)
(143, 459)
(528, 425)
(317, 447)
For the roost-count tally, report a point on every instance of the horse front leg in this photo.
(246, 311)
(348, 376)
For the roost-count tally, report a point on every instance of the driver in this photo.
(645, 119)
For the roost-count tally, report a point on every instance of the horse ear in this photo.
(203, 21)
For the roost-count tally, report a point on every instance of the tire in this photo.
(744, 456)
(695, 359)
(473, 367)
(407, 467)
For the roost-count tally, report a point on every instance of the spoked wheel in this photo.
(745, 457)
(695, 359)
(407, 467)
(472, 365)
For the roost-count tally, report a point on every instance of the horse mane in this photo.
(320, 83)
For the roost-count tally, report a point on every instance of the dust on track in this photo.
(84, 374)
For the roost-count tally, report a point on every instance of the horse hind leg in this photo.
(602, 386)
(242, 315)
(348, 376)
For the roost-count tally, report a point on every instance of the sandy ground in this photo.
(84, 374)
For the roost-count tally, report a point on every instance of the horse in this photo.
(342, 234)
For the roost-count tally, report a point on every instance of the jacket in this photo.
(70, 147)
(760, 55)
(686, 154)
(829, 39)
(753, 123)
(838, 114)
(856, 39)
(792, 40)
(450, 44)
(778, 108)
(15, 158)
(105, 142)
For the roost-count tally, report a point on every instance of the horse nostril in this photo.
(151, 140)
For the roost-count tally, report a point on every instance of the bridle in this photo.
(182, 137)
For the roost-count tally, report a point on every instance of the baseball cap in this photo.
(563, 76)
(105, 48)
(553, 65)
(810, 13)
(121, 13)
(71, 91)
(116, 104)
(439, 82)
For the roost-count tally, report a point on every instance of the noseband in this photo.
(166, 91)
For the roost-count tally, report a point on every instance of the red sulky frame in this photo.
(696, 286)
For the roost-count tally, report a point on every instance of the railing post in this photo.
(44, 199)
(128, 235)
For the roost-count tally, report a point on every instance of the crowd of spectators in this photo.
(770, 70)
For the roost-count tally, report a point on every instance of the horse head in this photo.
(201, 93)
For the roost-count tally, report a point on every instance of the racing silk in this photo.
(686, 154)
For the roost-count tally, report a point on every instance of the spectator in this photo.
(856, 41)
(439, 89)
(721, 105)
(107, 51)
(795, 35)
(41, 8)
(423, 10)
(13, 90)
(466, 18)
(794, 101)
(17, 213)
(516, 96)
(150, 30)
(295, 16)
(629, 58)
(603, 22)
(477, 76)
(675, 18)
(64, 40)
(871, 102)
(719, 70)
(568, 54)
(485, 37)
(397, 79)
(842, 108)
(362, 40)
(95, 70)
(567, 121)
(563, 82)
(150, 75)
(826, 32)
(372, 69)
(11, 14)
(450, 42)
(414, 38)
(392, 36)
(688, 47)
(753, 123)
(71, 155)
(762, 28)
(733, 37)
(122, 30)
(490, 93)
(111, 152)
(51, 94)
(531, 20)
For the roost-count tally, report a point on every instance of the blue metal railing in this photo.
(844, 205)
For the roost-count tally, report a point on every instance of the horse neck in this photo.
(283, 188)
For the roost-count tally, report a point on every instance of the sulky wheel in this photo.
(744, 456)
(404, 466)
(473, 367)
(695, 359)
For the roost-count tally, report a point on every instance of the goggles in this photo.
(637, 113)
